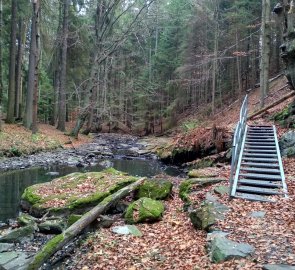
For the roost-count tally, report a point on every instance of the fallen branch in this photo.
(60, 240)
(271, 105)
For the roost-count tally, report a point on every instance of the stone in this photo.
(75, 192)
(144, 210)
(127, 229)
(156, 189)
(222, 249)
(204, 217)
(105, 221)
(25, 219)
(222, 190)
(52, 226)
(278, 267)
(15, 260)
(195, 184)
(257, 214)
(5, 247)
(106, 163)
(287, 144)
(201, 174)
(53, 173)
(17, 235)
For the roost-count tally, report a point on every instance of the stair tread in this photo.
(260, 183)
(267, 165)
(267, 191)
(260, 159)
(259, 155)
(252, 197)
(261, 176)
(260, 150)
(261, 143)
(267, 170)
(260, 147)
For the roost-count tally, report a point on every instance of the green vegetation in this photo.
(157, 189)
(144, 210)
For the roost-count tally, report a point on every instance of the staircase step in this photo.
(260, 159)
(254, 150)
(260, 140)
(260, 147)
(251, 182)
(260, 143)
(252, 197)
(261, 176)
(260, 165)
(265, 191)
(260, 155)
(260, 170)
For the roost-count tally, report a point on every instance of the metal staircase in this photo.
(257, 170)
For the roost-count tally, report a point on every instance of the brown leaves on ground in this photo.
(15, 140)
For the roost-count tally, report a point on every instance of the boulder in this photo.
(204, 217)
(15, 260)
(52, 226)
(195, 184)
(222, 249)
(73, 193)
(222, 190)
(25, 219)
(5, 247)
(287, 144)
(144, 210)
(18, 235)
(127, 229)
(278, 267)
(156, 189)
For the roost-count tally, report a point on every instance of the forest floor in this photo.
(173, 243)
(15, 140)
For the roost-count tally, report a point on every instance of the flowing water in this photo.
(13, 183)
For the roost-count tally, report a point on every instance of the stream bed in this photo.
(123, 153)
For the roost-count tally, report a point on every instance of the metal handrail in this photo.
(237, 140)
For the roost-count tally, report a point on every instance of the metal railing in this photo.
(237, 139)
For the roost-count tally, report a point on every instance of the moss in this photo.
(30, 196)
(46, 252)
(199, 174)
(25, 219)
(184, 190)
(157, 189)
(204, 163)
(144, 210)
(72, 219)
(104, 183)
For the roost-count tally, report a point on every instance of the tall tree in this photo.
(265, 51)
(30, 117)
(61, 125)
(11, 88)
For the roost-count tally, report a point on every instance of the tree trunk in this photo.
(18, 73)
(1, 60)
(11, 88)
(215, 64)
(265, 51)
(62, 90)
(60, 240)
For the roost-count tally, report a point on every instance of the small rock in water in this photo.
(106, 163)
(127, 229)
(53, 173)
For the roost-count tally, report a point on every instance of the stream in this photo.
(123, 153)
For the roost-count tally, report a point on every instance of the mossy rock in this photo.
(25, 219)
(195, 184)
(72, 219)
(18, 235)
(204, 217)
(144, 210)
(200, 174)
(157, 189)
(203, 163)
(74, 193)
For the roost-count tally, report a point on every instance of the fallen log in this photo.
(271, 105)
(60, 240)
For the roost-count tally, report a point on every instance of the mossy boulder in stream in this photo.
(144, 210)
(157, 189)
(73, 193)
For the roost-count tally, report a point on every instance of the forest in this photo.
(147, 134)
(132, 66)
